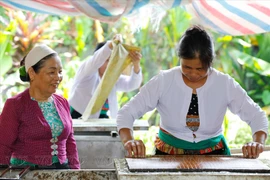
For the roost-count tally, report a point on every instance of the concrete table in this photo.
(123, 173)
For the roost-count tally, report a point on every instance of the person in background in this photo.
(192, 100)
(35, 125)
(89, 76)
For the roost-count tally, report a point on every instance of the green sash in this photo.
(181, 144)
(71, 109)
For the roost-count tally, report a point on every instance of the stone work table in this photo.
(122, 173)
(71, 175)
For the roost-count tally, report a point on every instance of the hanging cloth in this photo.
(119, 60)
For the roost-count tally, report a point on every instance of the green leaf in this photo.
(243, 43)
(266, 97)
(5, 64)
(258, 65)
(224, 39)
(5, 48)
(264, 46)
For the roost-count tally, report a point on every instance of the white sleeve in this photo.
(91, 65)
(146, 100)
(242, 105)
(129, 83)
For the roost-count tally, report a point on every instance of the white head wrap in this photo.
(36, 54)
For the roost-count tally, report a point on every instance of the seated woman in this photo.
(192, 100)
(35, 125)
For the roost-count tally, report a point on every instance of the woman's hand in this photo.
(117, 38)
(252, 149)
(135, 58)
(135, 148)
(255, 148)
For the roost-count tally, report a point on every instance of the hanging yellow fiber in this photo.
(119, 60)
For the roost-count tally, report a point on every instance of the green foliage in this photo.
(257, 65)
(159, 48)
(246, 58)
(262, 44)
(148, 137)
(6, 51)
(226, 124)
(243, 135)
(266, 97)
(73, 34)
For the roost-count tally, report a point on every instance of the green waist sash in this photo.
(181, 144)
(71, 109)
(19, 162)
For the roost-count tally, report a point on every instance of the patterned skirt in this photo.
(168, 149)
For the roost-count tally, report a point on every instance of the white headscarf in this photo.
(36, 54)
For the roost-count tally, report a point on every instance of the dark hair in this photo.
(36, 67)
(100, 45)
(196, 43)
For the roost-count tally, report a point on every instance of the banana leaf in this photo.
(258, 65)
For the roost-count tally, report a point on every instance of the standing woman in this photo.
(192, 100)
(89, 75)
(35, 125)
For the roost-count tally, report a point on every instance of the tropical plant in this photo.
(22, 31)
(246, 58)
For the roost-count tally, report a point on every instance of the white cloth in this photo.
(171, 96)
(87, 79)
(36, 54)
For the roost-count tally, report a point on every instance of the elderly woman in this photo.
(192, 100)
(35, 125)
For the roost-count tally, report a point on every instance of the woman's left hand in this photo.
(135, 58)
(252, 149)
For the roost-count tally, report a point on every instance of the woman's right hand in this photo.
(135, 148)
(117, 39)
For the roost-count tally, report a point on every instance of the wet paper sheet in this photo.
(119, 60)
(196, 163)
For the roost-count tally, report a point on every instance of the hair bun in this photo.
(194, 30)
